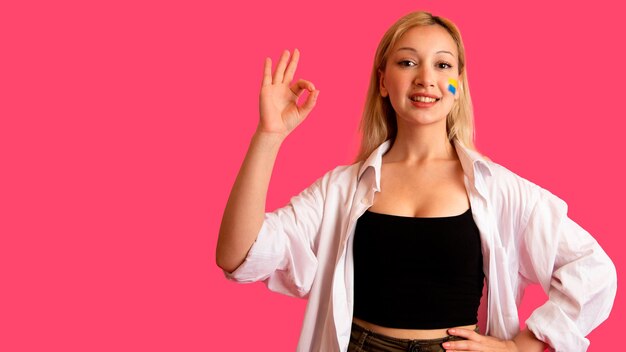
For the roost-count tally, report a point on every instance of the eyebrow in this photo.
(415, 51)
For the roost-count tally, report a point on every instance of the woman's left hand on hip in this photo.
(478, 343)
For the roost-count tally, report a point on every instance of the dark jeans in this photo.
(365, 340)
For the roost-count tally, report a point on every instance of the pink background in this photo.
(123, 126)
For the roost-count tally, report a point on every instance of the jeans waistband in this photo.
(407, 342)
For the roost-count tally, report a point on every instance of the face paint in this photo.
(453, 85)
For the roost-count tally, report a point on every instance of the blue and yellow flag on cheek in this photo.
(453, 85)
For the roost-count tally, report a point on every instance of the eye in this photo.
(406, 63)
(443, 65)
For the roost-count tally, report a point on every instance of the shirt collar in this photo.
(470, 160)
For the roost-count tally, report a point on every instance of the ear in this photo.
(381, 84)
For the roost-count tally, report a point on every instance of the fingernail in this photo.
(446, 344)
(452, 330)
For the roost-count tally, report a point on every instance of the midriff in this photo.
(408, 333)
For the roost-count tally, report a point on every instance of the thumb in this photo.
(308, 105)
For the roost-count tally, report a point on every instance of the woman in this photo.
(392, 250)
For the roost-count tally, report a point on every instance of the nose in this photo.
(425, 77)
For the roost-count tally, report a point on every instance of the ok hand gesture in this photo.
(279, 108)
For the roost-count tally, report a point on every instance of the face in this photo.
(418, 69)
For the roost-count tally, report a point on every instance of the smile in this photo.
(423, 99)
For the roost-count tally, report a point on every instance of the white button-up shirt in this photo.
(304, 249)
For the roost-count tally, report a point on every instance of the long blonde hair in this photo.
(378, 122)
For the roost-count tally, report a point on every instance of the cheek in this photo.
(393, 82)
(447, 89)
(449, 86)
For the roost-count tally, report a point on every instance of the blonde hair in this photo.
(378, 122)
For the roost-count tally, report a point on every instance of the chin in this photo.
(423, 120)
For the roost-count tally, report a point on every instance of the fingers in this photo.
(474, 342)
(280, 68)
(291, 68)
(462, 346)
(310, 101)
(267, 72)
(308, 104)
(466, 345)
(466, 333)
(301, 85)
(284, 72)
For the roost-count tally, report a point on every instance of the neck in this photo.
(420, 144)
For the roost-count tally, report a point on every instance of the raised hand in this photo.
(278, 103)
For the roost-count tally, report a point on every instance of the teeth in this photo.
(423, 99)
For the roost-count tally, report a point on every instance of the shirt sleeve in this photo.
(576, 273)
(283, 254)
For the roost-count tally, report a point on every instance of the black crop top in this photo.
(417, 273)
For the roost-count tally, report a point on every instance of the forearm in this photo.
(527, 342)
(245, 208)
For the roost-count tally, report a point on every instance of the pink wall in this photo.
(123, 126)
